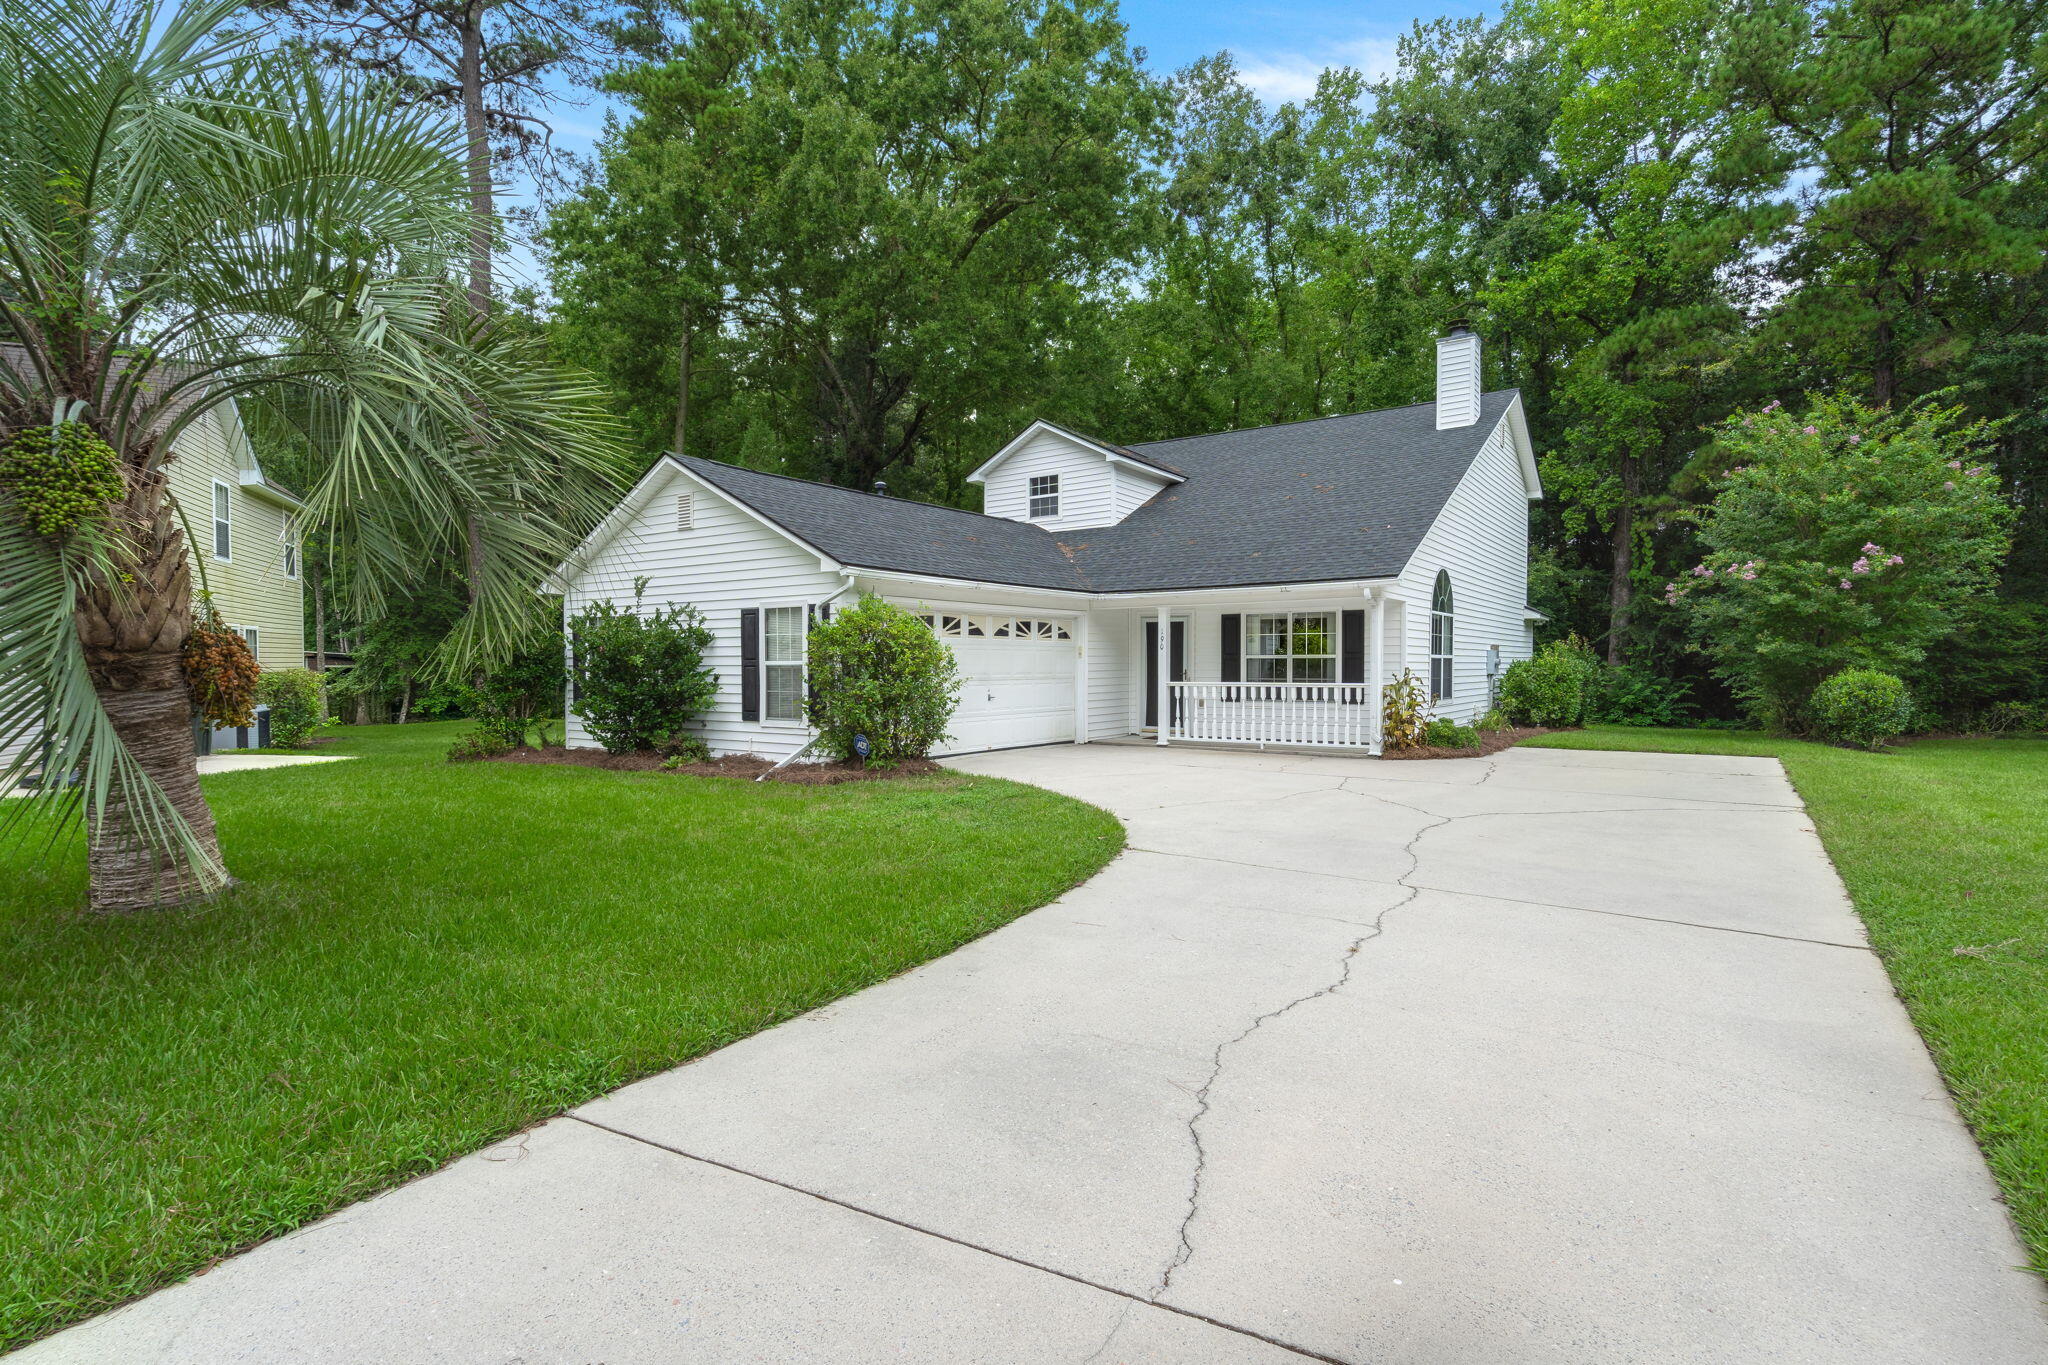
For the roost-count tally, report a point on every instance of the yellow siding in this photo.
(250, 587)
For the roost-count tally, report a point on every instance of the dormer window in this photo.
(1045, 496)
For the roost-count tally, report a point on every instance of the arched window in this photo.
(1440, 628)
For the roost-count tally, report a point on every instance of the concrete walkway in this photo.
(1551, 1057)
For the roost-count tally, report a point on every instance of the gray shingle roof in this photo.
(1329, 499)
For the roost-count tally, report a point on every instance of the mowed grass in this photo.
(423, 957)
(1943, 845)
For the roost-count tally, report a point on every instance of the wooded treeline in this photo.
(854, 243)
(860, 243)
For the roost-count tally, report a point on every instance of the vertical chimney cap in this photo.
(1459, 327)
(881, 489)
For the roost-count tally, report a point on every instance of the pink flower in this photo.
(1702, 571)
(1955, 464)
(1749, 576)
(1845, 585)
(1775, 405)
(1973, 473)
(1860, 566)
(1896, 559)
(1812, 431)
(1949, 484)
(1854, 439)
(1871, 549)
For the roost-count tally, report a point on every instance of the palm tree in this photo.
(192, 216)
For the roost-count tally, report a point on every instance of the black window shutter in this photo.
(750, 663)
(1233, 647)
(1352, 647)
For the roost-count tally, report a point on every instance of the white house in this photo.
(1254, 586)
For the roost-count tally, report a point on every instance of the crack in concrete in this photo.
(1186, 1249)
(1114, 1328)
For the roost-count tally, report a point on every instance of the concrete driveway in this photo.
(1550, 1057)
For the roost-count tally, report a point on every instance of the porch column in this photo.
(1165, 659)
(1376, 663)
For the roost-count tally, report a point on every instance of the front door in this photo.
(1178, 646)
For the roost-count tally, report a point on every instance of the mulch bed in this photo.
(1490, 742)
(748, 766)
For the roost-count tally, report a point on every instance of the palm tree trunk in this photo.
(134, 634)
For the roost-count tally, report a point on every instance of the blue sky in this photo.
(1280, 48)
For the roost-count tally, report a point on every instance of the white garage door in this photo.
(1016, 680)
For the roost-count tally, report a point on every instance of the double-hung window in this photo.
(1441, 621)
(223, 529)
(1296, 646)
(1045, 496)
(782, 661)
(291, 559)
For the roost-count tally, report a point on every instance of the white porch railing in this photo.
(1318, 715)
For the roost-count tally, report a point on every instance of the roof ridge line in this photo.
(861, 492)
(1305, 421)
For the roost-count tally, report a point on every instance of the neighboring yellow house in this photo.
(244, 551)
(243, 546)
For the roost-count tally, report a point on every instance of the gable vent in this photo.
(686, 511)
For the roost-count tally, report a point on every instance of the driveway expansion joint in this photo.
(1131, 1299)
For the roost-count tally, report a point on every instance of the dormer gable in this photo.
(1061, 480)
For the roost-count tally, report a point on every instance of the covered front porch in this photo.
(1293, 667)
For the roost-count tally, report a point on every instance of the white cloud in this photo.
(1280, 77)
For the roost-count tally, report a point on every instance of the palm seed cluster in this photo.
(59, 476)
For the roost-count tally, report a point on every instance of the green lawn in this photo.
(1944, 846)
(423, 957)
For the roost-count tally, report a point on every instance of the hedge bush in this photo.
(1551, 689)
(1860, 706)
(1445, 733)
(877, 670)
(640, 677)
(293, 696)
(1624, 694)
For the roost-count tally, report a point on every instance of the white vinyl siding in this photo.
(1110, 639)
(726, 562)
(1482, 539)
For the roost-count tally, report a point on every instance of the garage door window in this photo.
(996, 627)
(782, 661)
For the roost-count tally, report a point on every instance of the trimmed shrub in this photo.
(1444, 733)
(1860, 706)
(640, 678)
(524, 692)
(1496, 719)
(293, 696)
(1623, 694)
(1403, 713)
(483, 742)
(1552, 688)
(876, 670)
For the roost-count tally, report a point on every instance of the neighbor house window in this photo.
(223, 539)
(782, 661)
(252, 636)
(1291, 647)
(291, 559)
(1440, 627)
(1045, 495)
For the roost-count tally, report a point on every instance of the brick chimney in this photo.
(1457, 377)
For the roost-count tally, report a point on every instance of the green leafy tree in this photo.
(1911, 126)
(639, 677)
(878, 671)
(890, 214)
(191, 217)
(1851, 537)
